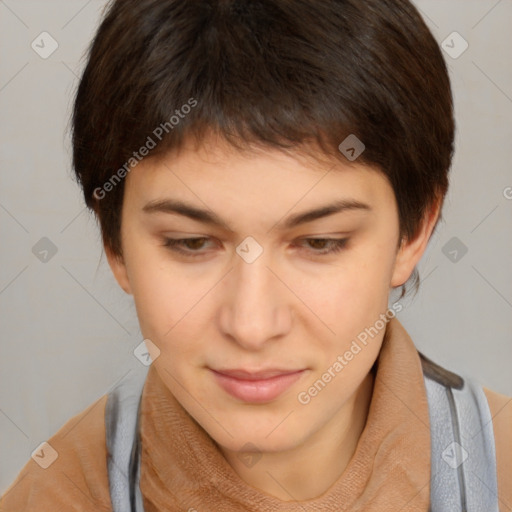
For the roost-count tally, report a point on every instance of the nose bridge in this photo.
(254, 312)
(252, 283)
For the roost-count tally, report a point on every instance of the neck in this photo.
(310, 469)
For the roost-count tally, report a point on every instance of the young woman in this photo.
(265, 174)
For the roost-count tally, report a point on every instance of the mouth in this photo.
(256, 386)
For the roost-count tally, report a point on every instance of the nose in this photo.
(255, 310)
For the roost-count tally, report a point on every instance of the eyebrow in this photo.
(175, 206)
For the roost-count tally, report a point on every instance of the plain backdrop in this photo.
(68, 331)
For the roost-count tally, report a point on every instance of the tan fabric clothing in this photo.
(182, 469)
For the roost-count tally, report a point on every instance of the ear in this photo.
(118, 267)
(411, 251)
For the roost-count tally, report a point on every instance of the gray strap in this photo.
(135, 492)
(121, 419)
(463, 459)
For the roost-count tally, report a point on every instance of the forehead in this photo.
(220, 177)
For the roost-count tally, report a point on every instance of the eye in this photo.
(177, 244)
(326, 245)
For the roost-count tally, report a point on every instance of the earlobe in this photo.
(412, 250)
(118, 267)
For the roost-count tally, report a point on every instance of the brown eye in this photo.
(192, 245)
(326, 245)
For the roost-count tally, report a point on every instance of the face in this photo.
(250, 301)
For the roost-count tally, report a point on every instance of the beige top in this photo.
(390, 469)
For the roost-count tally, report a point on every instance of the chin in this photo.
(257, 437)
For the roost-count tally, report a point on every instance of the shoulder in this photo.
(70, 472)
(500, 407)
(501, 412)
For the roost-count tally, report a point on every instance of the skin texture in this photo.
(292, 308)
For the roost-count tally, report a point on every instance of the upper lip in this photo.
(255, 375)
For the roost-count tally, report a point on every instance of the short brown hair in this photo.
(277, 73)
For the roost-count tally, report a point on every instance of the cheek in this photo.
(356, 282)
(161, 295)
(172, 308)
(357, 294)
(373, 266)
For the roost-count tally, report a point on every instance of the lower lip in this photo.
(257, 391)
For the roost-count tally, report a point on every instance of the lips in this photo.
(254, 375)
(256, 386)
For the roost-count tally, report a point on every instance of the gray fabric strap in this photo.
(463, 457)
(135, 492)
(121, 420)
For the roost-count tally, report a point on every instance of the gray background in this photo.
(68, 331)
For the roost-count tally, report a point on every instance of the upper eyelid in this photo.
(179, 236)
(304, 237)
